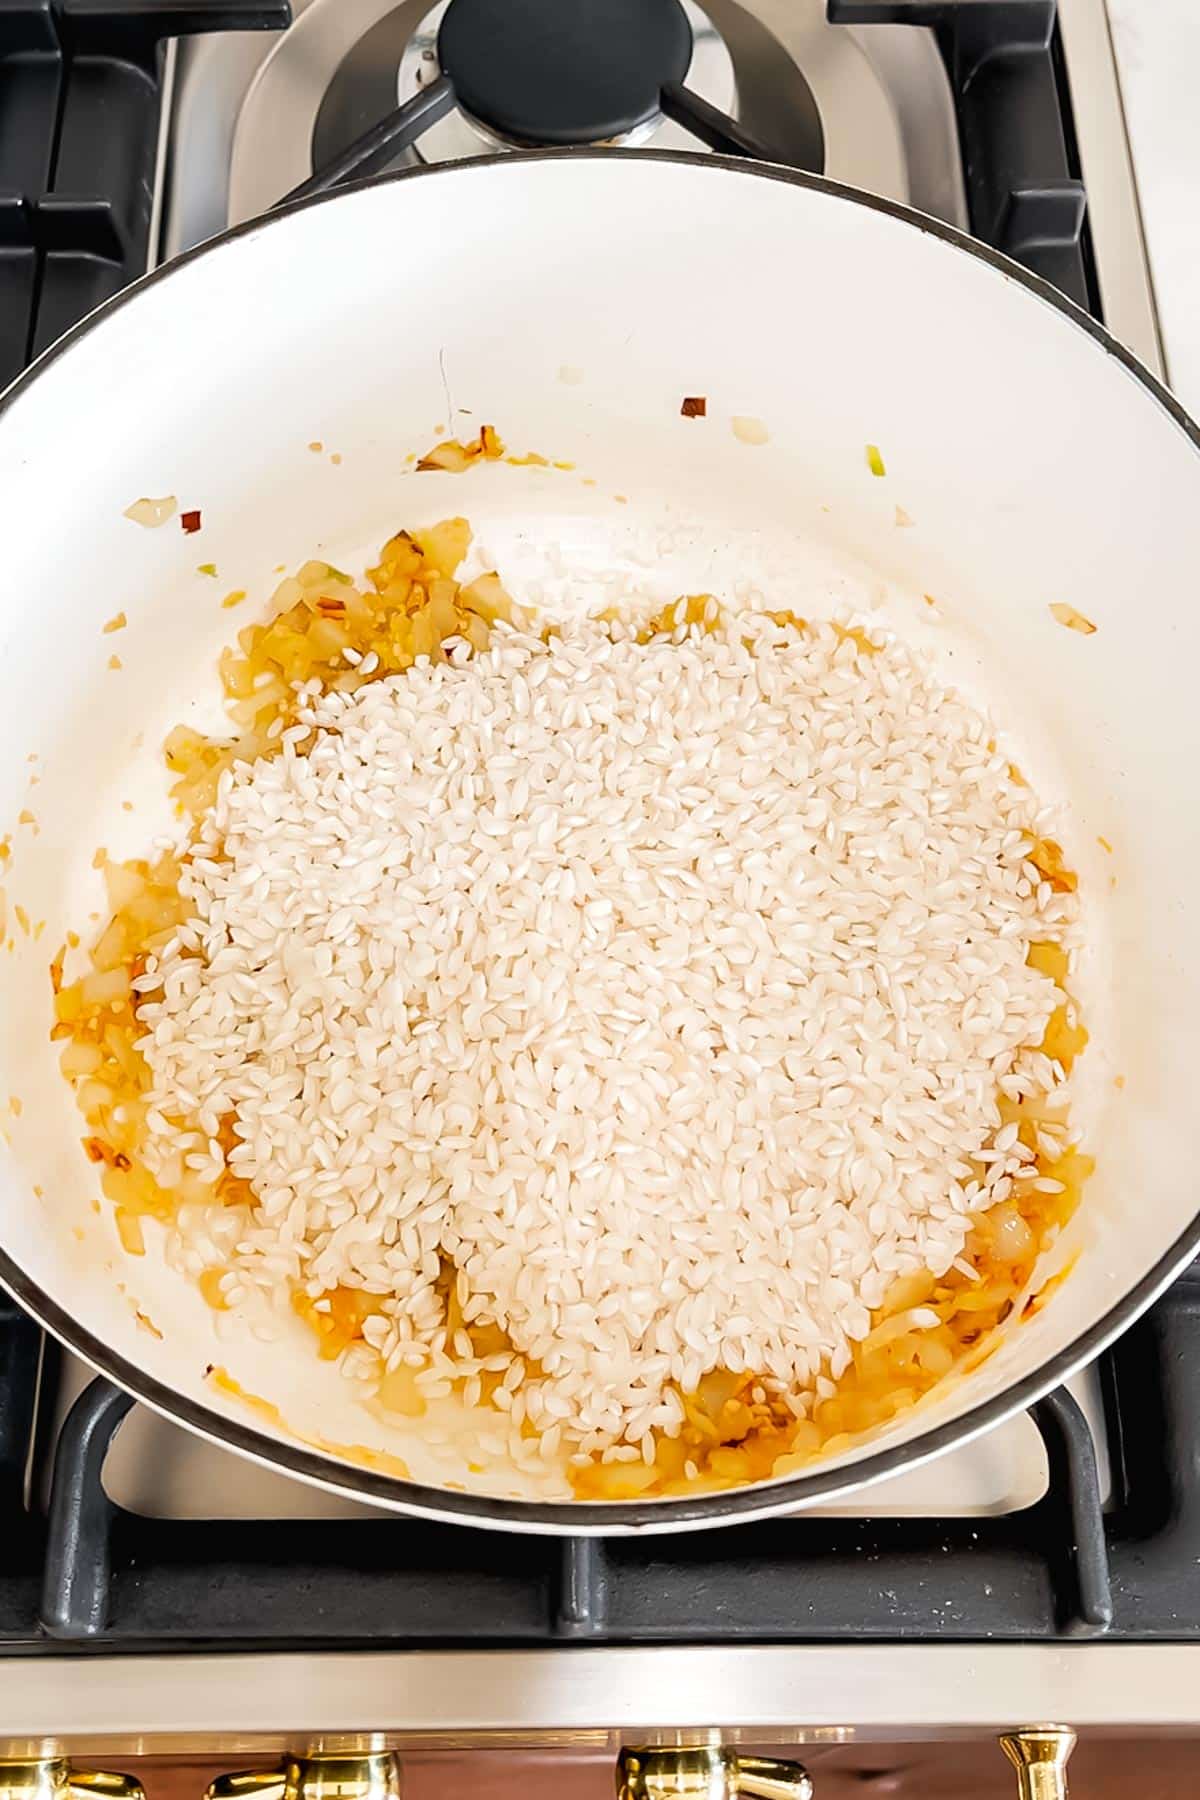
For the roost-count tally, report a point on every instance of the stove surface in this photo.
(1076, 1520)
(249, 117)
(252, 116)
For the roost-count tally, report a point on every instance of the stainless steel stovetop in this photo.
(245, 116)
(249, 115)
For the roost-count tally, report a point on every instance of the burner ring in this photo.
(561, 72)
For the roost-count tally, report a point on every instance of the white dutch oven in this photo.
(573, 301)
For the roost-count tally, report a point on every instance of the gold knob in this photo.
(373, 1777)
(1039, 1754)
(53, 1778)
(707, 1773)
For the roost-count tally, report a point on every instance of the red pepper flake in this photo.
(190, 520)
(695, 406)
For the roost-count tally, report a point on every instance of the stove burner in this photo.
(360, 91)
(502, 74)
(563, 71)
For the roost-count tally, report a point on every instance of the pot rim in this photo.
(584, 1518)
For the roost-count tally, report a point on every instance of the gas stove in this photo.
(1003, 119)
(148, 1579)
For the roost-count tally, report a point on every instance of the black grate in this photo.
(1061, 1569)
(80, 94)
(1025, 195)
(80, 98)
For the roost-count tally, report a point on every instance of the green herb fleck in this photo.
(874, 460)
(207, 569)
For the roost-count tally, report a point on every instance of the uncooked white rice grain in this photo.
(664, 989)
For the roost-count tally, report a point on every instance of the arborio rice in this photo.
(660, 997)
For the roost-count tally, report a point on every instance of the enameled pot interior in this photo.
(573, 302)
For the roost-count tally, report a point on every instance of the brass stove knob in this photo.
(707, 1773)
(1039, 1754)
(53, 1778)
(372, 1777)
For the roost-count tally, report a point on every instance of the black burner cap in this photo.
(563, 71)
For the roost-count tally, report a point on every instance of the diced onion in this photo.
(152, 512)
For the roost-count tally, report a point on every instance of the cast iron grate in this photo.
(80, 94)
(93, 1575)
(80, 99)
(1025, 195)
